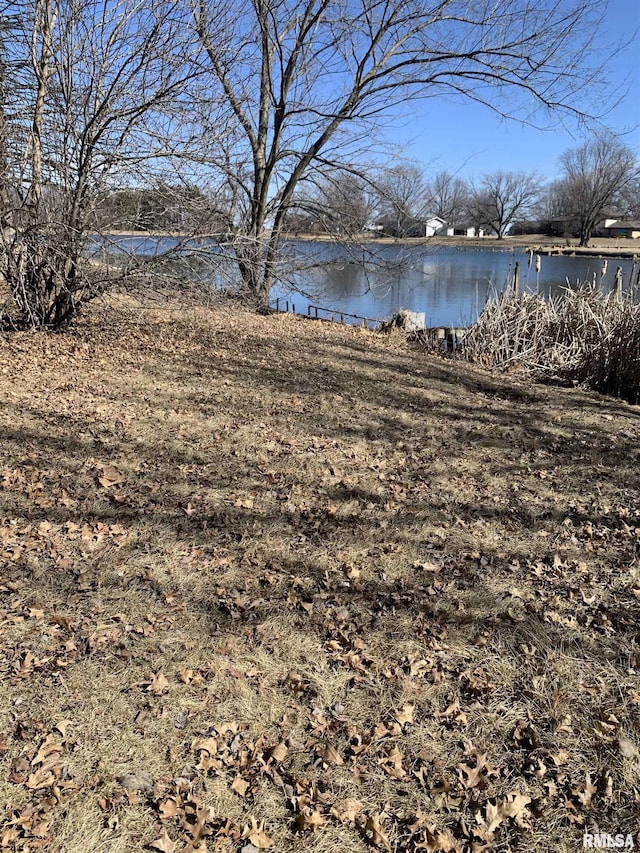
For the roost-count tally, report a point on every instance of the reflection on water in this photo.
(449, 284)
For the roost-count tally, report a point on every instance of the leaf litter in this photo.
(273, 584)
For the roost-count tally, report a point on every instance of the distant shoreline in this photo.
(540, 244)
(537, 243)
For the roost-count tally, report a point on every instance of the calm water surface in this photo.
(449, 284)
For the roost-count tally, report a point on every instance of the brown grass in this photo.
(262, 531)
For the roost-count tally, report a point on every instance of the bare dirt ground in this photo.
(274, 584)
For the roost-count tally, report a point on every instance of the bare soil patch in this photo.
(275, 584)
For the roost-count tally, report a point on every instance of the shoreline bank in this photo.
(537, 243)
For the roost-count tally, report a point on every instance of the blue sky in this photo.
(470, 140)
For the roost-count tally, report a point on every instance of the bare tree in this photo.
(501, 197)
(302, 82)
(402, 192)
(448, 197)
(82, 77)
(629, 201)
(337, 202)
(596, 177)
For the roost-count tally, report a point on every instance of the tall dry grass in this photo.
(582, 335)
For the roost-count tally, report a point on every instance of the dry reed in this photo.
(581, 335)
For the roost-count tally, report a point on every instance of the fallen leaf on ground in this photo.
(346, 810)
(48, 748)
(257, 835)
(405, 715)
(309, 819)
(110, 476)
(378, 836)
(169, 809)
(240, 786)
(279, 752)
(330, 755)
(164, 843)
(159, 685)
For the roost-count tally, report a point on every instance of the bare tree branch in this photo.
(296, 81)
(94, 72)
(596, 176)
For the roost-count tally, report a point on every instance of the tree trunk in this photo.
(585, 235)
(251, 263)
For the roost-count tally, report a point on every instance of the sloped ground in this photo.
(272, 583)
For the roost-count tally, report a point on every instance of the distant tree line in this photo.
(163, 208)
(599, 180)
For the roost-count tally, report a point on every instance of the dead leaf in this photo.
(40, 828)
(586, 795)
(164, 843)
(49, 747)
(257, 835)
(470, 776)
(559, 758)
(19, 769)
(493, 817)
(515, 806)
(226, 728)
(169, 809)
(110, 476)
(42, 778)
(378, 836)
(309, 819)
(405, 715)
(9, 836)
(346, 810)
(159, 684)
(244, 503)
(62, 726)
(279, 753)
(428, 567)
(200, 829)
(187, 676)
(392, 764)
(36, 612)
(419, 821)
(240, 786)
(207, 744)
(330, 755)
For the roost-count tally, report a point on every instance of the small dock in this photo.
(328, 315)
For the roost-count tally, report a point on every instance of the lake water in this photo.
(450, 285)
